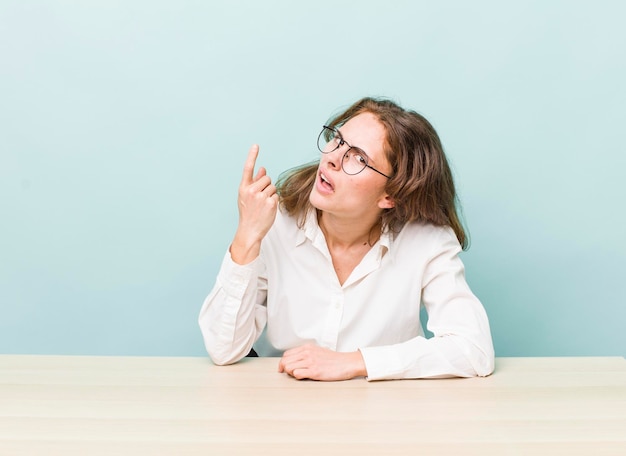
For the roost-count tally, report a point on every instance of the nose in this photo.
(333, 159)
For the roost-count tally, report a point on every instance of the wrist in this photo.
(244, 250)
(359, 369)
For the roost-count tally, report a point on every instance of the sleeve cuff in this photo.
(235, 278)
(381, 363)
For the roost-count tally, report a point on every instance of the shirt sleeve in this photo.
(461, 345)
(234, 313)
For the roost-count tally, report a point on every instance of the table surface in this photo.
(75, 405)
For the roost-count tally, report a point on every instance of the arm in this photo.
(462, 344)
(233, 315)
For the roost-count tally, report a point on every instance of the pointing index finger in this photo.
(248, 167)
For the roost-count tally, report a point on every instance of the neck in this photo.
(345, 234)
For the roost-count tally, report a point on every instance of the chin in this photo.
(315, 200)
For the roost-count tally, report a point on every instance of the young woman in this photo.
(335, 261)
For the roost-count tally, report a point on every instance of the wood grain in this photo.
(66, 405)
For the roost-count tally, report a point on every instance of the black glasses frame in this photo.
(326, 134)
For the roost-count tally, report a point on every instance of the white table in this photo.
(70, 405)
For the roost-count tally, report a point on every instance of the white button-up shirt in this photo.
(292, 291)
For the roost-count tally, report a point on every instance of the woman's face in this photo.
(359, 195)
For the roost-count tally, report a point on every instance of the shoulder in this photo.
(419, 232)
(426, 239)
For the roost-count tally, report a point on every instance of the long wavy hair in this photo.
(421, 186)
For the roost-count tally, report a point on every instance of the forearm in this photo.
(438, 357)
(232, 316)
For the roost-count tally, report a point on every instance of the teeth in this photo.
(324, 178)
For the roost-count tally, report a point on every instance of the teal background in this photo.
(124, 126)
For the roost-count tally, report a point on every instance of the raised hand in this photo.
(258, 203)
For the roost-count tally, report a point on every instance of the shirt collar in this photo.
(311, 231)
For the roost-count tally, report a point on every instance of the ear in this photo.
(386, 202)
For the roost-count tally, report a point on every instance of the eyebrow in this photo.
(369, 158)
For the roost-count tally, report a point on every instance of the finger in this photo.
(273, 202)
(289, 357)
(288, 363)
(297, 371)
(248, 167)
(293, 351)
(281, 364)
(300, 373)
(260, 173)
(260, 184)
(269, 191)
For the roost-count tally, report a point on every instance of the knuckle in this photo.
(299, 375)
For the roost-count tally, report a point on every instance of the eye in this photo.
(359, 157)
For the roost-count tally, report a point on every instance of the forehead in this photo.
(365, 131)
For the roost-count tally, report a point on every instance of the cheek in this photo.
(367, 191)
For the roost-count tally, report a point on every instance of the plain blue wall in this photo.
(124, 127)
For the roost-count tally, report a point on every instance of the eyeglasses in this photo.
(353, 161)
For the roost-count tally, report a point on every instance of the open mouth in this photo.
(324, 182)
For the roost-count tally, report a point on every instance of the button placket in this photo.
(333, 322)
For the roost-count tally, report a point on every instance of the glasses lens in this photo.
(354, 161)
(328, 140)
